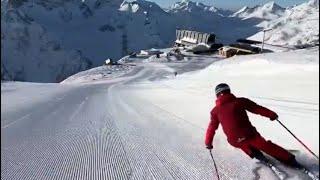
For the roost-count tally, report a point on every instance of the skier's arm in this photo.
(257, 109)
(213, 126)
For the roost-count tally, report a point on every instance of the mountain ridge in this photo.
(49, 33)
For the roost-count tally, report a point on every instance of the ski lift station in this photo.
(188, 38)
(238, 49)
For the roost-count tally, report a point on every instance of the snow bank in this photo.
(99, 73)
(198, 47)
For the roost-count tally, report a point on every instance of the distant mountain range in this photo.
(186, 6)
(49, 40)
(297, 25)
(270, 10)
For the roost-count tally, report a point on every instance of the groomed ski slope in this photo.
(151, 125)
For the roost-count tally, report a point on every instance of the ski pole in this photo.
(298, 139)
(215, 166)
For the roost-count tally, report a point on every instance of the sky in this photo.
(233, 4)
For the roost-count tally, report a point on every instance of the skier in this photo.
(230, 112)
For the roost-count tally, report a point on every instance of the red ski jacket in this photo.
(230, 112)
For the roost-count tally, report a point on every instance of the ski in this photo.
(309, 173)
(280, 174)
(303, 168)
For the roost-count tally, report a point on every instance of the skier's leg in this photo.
(275, 151)
(258, 155)
(251, 151)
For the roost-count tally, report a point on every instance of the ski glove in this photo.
(274, 117)
(209, 147)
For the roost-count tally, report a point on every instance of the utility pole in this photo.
(264, 32)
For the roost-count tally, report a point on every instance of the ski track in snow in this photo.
(82, 145)
(101, 132)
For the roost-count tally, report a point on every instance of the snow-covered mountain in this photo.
(140, 6)
(38, 36)
(28, 52)
(200, 17)
(270, 10)
(299, 25)
(96, 30)
(196, 8)
(46, 41)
